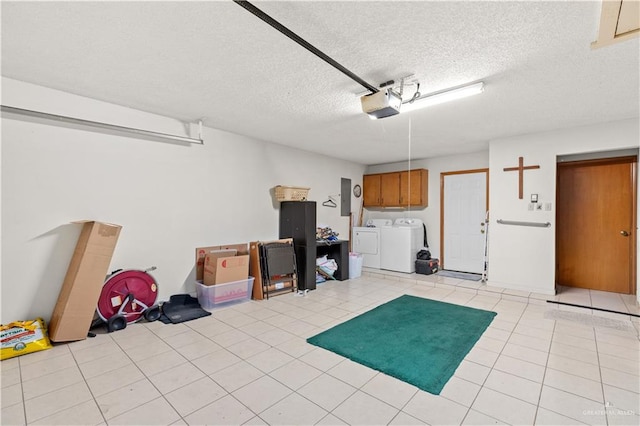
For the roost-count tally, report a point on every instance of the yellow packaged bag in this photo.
(23, 337)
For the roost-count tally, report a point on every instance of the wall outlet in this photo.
(538, 206)
(531, 206)
(547, 206)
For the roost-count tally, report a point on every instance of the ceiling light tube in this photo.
(441, 97)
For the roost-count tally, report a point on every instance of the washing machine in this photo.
(400, 245)
(366, 241)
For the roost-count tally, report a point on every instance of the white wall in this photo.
(169, 197)
(430, 215)
(524, 257)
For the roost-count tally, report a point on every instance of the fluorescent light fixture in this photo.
(444, 96)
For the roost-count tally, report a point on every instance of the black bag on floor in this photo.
(424, 254)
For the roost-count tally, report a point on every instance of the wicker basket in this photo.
(291, 193)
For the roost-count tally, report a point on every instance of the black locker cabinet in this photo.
(298, 221)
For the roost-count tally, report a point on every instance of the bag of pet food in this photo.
(23, 337)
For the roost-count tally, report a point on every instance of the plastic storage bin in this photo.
(355, 265)
(218, 295)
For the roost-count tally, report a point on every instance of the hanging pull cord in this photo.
(293, 36)
(415, 96)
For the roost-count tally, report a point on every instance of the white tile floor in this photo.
(538, 363)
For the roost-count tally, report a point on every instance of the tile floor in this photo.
(538, 363)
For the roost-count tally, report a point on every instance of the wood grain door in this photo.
(595, 233)
(413, 188)
(371, 190)
(390, 189)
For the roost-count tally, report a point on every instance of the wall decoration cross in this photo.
(520, 168)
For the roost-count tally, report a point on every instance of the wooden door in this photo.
(464, 204)
(371, 190)
(390, 189)
(595, 238)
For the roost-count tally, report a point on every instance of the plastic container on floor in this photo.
(355, 265)
(218, 295)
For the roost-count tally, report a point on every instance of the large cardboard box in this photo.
(89, 266)
(211, 268)
(201, 252)
(225, 267)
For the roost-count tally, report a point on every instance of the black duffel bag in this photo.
(423, 255)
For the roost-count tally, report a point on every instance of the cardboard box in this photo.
(223, 267)
(89, 266)
(201, 252)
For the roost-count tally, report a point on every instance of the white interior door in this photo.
(464, 208)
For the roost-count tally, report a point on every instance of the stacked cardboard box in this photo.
(222, 264)
(222, 275)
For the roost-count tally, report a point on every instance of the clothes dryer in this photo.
(400, 245)
(366, 241)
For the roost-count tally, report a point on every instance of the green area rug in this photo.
(419, 341)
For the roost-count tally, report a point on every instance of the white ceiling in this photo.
(213, 59)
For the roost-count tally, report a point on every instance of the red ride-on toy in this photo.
(128, 296)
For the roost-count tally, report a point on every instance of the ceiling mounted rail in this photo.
(293, 36)
(73, 120)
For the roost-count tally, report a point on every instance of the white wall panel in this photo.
(523, 257)
(169, 198)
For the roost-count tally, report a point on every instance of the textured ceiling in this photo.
(215, 60)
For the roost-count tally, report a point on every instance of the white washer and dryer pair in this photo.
(400, 245)
(366, 241)
(385, 244)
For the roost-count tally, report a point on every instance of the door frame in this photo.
(442, 176)
(633, 160)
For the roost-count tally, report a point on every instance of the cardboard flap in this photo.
(234, 262)
(82, 222)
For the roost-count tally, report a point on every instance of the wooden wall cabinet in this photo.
(390, 189)
(371, 190)
(396, 189)
(413, 184)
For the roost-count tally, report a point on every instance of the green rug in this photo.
(419, 341)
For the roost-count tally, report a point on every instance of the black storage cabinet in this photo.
(298, 221)
(338, 251)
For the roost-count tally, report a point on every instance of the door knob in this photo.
(624, 233)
